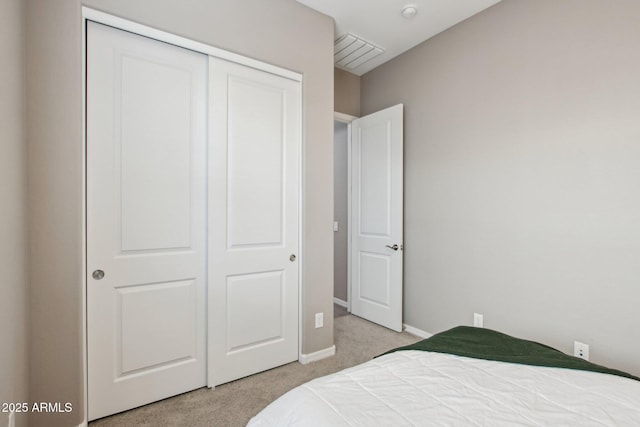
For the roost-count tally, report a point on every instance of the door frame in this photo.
(347, 119)
(89, 14)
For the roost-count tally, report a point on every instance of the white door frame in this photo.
(347, 119)
(89, 14)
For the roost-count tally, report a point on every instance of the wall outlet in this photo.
(12, 419)
(581, 350)
(478, 320)
(319, 320)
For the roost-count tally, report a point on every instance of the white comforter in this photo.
(417, 388)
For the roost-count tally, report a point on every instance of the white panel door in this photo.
(253, 220)
(146, 219)
(377, 217)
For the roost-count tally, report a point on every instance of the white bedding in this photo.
(417, 388)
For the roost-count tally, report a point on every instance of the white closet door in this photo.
(377, 217)
(253, 220)
(146, 219)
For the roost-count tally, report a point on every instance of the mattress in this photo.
(423, 388)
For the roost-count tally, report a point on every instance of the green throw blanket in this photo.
(487, 344)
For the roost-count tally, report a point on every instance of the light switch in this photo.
(335, 225)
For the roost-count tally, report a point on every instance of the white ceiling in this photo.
(380, 22)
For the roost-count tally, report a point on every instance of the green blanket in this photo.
(487, 344)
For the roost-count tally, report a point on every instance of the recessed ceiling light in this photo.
(409, 11)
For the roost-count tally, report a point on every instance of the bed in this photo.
(463, 377)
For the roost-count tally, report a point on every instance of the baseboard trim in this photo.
(340, 302)
(415, 331)
(317, 355)
(83, 424)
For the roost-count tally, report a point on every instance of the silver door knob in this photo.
(292, 258)
(394, 247)
(97, 274)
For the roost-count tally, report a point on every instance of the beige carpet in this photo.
(233, 404)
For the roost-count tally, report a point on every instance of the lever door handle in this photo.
(394, 247)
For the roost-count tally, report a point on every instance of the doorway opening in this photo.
(368, 179)
(341, 217)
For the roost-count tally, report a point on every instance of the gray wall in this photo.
(522, 163)
(340, 210)
(13, 298)
(281, 32)
(346, 100)
(346, 88)
(54, 157)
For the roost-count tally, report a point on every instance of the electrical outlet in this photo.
(319, 320)
(12, 419)
(478, 320)
(581, 350)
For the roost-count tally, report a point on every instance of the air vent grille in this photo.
(351, 51)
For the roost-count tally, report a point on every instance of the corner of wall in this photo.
(346, 92)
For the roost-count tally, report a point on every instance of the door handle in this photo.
(394, 247)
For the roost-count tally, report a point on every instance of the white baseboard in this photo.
(340, 302)
(415, 331)
(83, 424)
(317, 355)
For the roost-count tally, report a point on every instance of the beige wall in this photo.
(281, 32)
(346, 92)
(522, 139)
(347, 101)
(13, 297)
(54, 158)
(340, 210)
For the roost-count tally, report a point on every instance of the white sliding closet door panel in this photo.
(146, 219)
(253, 220)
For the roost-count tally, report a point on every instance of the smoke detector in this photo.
(409, 11)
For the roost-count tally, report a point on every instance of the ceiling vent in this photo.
(351, 51)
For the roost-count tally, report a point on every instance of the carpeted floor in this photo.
(234, 403)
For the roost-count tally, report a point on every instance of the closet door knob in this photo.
(97, 274)
(292, 258)
(394, 247)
